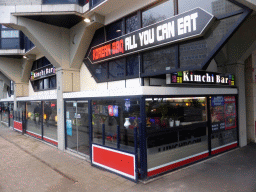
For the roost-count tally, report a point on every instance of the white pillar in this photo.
(60, 108)
(238, 71)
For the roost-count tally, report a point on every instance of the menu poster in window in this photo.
(230, 112)
(217, 113)
(110, 110)
(69, 127)
(115, 110)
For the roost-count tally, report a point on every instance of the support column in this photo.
(238, 71)
(60, 108)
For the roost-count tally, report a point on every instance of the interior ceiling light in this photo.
(118, 30)
(87, 20)
(25, 57)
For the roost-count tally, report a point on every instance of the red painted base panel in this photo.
(51, 141)
(178, 164)
(34, 135)
(224, 149)
(119, 162)
(17, 125)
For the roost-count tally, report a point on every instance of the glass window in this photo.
(52, 82)
(132, 65)
(5, 112)
(50, 120)
(34, 66)
(132, 23)
(176, 128)
(194, 53)
(77, 126)
(223, 120)
(10, 43)
(110, 115)
(216, 7)
(114, 30)
(46, 83)
(41, 84)
(158, 13)
(100, 71)
(10, 34)
(162, 59)
(34, 117)
(117, 68)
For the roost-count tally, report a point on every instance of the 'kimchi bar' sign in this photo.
(184, 26)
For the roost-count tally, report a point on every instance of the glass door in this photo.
(11, 105)
(77, 126)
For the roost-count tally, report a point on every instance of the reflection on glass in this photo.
(176, 129)
(159, 60)
(132, 62)
(11, 105)
(114, 30)
(215, 7)
(194, 53)
(34, 117)
(109, 115)
(20, 110)
(50, 119)
(132, 23)
(157, 13)
(5, 113)
(117, 68)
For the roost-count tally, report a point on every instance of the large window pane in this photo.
(10, 43)
(132, 63)
(11, 106)
(132, 23)
(111, 114)
(176, 129)
(117, 68)
(216, 7)
(34, 117)
(223, 120)
(114, 30)
(50, 120)
(162, 59)
(194, 53)
(10, 34)
(157, 13)
(5, 116)
(71, 130)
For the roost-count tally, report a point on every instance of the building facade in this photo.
(136, 87)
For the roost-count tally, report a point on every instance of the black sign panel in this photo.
(42, 73)
(184, 26)
(202, 77)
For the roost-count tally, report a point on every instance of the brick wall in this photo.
(20, 2)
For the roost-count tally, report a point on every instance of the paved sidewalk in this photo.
(27, 164)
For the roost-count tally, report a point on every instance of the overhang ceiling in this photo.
(66, 21)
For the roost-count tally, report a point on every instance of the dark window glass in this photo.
(53, 82)
(132, 63)
(41, 84)
(216, 7)
(158, 13)
(162, 59)
(39, 63)
(35, 85)
(114, 30)
(194, 53)
(10, 43)
(45, 61)
(95, 2)
(46, 83)
(100, 71)
(132, 23)
(117, 68)
(34, 66)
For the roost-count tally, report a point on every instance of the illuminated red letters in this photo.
(102, 52)
(118, 47)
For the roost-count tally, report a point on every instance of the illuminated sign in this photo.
(202, 77)
(42, 73)
(181, 27)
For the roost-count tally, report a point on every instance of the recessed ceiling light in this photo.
(25, 57)
(87, 20)
(118, 30)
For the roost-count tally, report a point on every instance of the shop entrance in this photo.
(77, 127)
